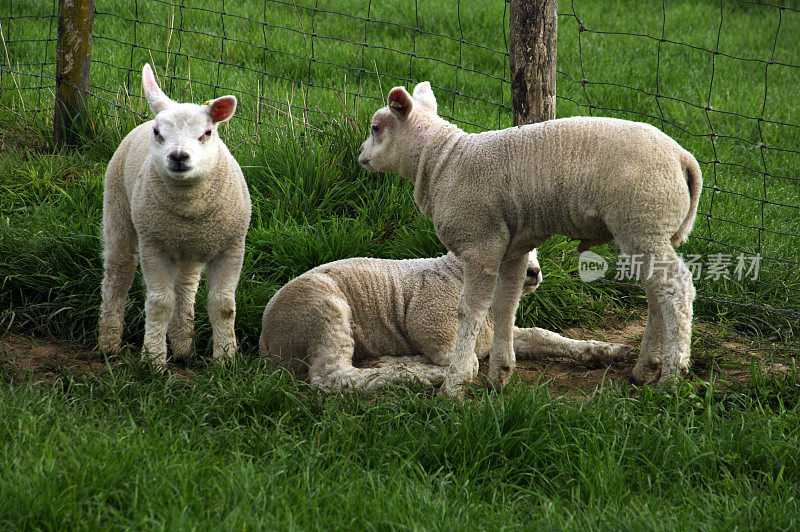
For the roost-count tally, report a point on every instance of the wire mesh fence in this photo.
(746, 141)
(27, 64)
(703, 73)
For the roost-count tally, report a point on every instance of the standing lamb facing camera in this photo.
(400, 314)
(175, 193)
(494, 196)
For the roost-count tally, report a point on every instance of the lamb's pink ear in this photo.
(222, 109)
(423, 95)
(155, 96)
(400, 102)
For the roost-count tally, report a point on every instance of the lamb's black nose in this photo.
(178, 156)
(533, 272)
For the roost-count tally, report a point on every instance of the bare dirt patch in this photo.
(717, 355)
(38, 360)
(45, 361)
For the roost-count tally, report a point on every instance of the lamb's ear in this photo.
(222, 109)
(423, 94)
(400, 102)
(155, 96)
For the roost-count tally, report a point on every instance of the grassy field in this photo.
(248, 448)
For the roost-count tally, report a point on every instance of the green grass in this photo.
(250, 448)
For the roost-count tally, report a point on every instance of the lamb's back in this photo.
(579, 176)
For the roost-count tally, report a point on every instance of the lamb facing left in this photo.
(174, 193)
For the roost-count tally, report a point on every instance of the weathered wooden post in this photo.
(73, 57)
(532, 54)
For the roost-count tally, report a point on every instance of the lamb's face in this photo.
(184, 142)
(533, 275)
(184, 145)
(379, 152)
(394, 128)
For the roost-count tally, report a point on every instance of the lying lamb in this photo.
(398, 313)
(175, 192)
(494, 196)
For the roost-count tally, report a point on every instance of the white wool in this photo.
(494, 196)
(397, 314)
(174, 193)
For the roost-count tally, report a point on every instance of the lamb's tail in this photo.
(694, 180)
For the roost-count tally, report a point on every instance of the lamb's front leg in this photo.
(223, 276)
(473, 305)
(159, 272)
(181, 328)
(504, 306)
(536, 343)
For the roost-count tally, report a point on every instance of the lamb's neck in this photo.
(192, 200)
(437, 147)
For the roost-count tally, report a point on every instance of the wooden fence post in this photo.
(73, 58)
(532, 54)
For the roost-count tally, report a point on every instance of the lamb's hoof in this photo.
(621, 353)
(182, 357)
(109, 348)
(158, 366)
(500, 375)
(225, 356)
(612, 353)
(645, 373)
(491, 386)
(672, 378)
(453, 388)
(226, 362)
(182, 353)
(158, 363)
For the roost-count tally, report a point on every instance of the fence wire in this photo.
(294, 64)
(712, 215)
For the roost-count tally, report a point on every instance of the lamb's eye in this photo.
(208, 133)
(205, 136)
(156, 132)
(375, 128)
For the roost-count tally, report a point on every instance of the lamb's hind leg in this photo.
(181, 329)
(505, 301)
(418, 367)
(648, 365)
(331, 356)
(352, 378)
(671, 283)
(536, 343)
(119, 257)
